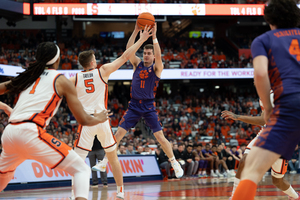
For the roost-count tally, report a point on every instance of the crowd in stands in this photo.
(18, 49)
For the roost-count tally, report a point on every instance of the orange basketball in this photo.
(144, 19)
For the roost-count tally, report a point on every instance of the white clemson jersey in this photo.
(92, 90)
(39, 102)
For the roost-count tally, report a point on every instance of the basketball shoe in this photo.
(120, 195)
(177, 169)
(291, 198)
(100, 166)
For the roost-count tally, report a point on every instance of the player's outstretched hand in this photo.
(229, 115)
(144, 35)
(6, 108)
(137, 28)
(103, 115)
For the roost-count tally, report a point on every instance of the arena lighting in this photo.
(217, 87)
(201, 89)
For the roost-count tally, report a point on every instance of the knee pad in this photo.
(276, 175)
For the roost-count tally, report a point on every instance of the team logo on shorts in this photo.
(56, 142)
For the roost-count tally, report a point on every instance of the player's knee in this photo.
(277, 181)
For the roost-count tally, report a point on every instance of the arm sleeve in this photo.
(259, 46)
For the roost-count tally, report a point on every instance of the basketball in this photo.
(144, 19)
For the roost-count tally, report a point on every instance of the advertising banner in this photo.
(171, 74)
(132, 166)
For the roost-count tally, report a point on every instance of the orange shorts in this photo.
(26, 140)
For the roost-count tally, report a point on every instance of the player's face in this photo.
(148, 56)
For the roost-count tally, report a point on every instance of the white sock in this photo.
(212, 171)
(105, 159)
(291, 192)
(203, 172)
(235, 184)
(227, 171)
(172, 160)
(120, 189)
(217, 171)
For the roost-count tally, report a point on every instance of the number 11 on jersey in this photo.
(142, 84)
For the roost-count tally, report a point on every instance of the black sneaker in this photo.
(105, 185)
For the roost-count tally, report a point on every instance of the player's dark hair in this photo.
(149, 46)
(189, 146)
(44, 53)
(282, 13)
(85, 58)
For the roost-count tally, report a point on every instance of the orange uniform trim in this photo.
(78, 139)
(54, 86)
(41, 118)
(114, 140)
(55, 144)
(101, 77)
(284, 167)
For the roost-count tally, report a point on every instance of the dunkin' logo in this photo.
(40, 170)
(129, 166)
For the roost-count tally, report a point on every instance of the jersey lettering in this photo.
(90, 88)
(294, 49)
(33, 88)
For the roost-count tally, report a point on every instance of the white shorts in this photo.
(24, 141)
(86, 136)
(279, 168)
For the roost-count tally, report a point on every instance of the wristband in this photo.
(155, 41)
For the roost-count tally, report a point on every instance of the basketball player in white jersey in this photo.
(92, 90)
(279, 168)
(41, 89)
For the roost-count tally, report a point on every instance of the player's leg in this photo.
(167, 148)
(279, 168)
(10, 158)
(254, 169)
(47, 149)
(92, 159)
(129, 120)
(109, 143)
(83, 144)
(238, 173)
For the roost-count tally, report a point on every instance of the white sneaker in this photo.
(101, 166)
(219, 175)
(293, 172)
(225, 174)
(120, 195)
(177, 169)
(232, 174)
(212, 174)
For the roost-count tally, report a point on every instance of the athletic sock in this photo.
(120, 189)
(242, 194)
(105, 159)
(235, 184)
(172, 160)
(291, 192)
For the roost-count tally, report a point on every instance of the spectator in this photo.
(213, 159)
(163, 161)
(97, 153)
(137, 132)
(130, 150)
(121, 150)
(191, 163)
(294, 162)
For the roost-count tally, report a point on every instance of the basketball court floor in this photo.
(184, 189)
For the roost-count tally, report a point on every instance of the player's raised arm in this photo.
(133, 59)
(158, 66)
(256, 120)
(109, 68)
(3, 87)
(67, 89)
